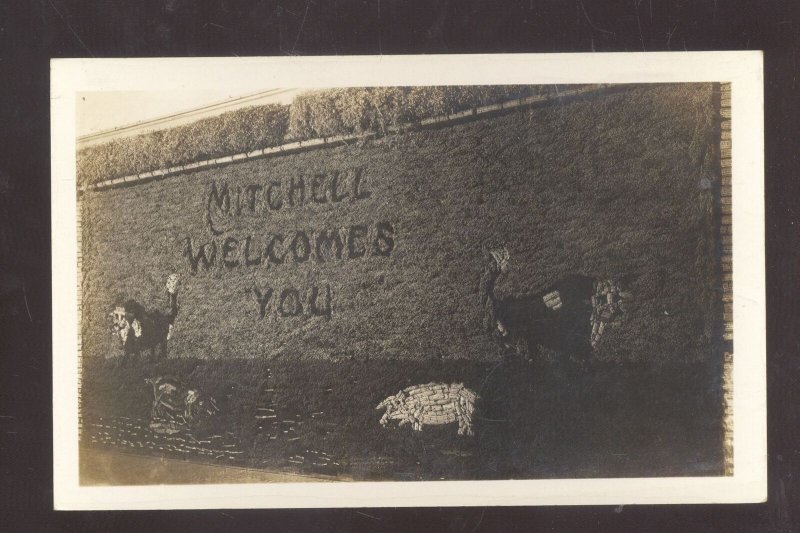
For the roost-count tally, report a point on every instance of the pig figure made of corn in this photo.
(432, 404)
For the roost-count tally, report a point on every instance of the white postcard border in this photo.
(744, 70)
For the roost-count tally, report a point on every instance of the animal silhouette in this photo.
(568, 317)
(431, 404)
(138, 329)
(169, 396)
(172, 399)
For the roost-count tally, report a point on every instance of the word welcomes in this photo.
(353, 242)
(282, 248)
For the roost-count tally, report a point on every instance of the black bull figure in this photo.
(568, 317)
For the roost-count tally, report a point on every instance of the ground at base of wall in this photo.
(103, 467)
(319, 418)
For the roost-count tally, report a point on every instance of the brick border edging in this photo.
(301, 146)
(79, 281)
(726, 241)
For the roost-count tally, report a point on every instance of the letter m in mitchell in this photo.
(221, 197)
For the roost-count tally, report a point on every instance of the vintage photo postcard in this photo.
(408, 281)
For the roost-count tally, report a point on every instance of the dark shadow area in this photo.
(530, 421)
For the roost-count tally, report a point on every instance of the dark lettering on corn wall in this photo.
(226, 202)
(293, 302)
(299, 246)
(283, 248)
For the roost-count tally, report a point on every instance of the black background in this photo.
(33, 32)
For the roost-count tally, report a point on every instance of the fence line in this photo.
(299, 146)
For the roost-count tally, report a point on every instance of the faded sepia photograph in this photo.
(405, 283)
(409, 283)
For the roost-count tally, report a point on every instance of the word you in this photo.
(291, 302)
